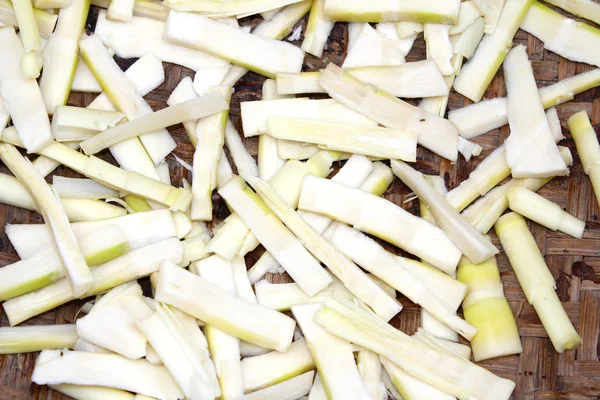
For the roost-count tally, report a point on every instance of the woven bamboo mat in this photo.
(540, 373)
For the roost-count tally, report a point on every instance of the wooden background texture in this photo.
(539, 372)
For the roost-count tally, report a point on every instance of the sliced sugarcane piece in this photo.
(224, 348)
(435, 133)
(28, 339)
(77, 270)
(332, 356)
(22, 97)
(193, 30)
(108, 370)
(439, 48)
(255, 114)
(587, 9)
(357, 139)
(283, 296)
(486, 308)
(479, 118)
(253, 323)
(121, 336)
(356, 281)
(530, 149)
(373, 48)
(371, 256)
(269, 161)
(45, 267)
(544, 212)
(228, 8)
(588, 148)
(317, 30)
(61, 54)
(352, 322)
(75, 188)
(82, 392)
(466, 17)
(490, 10)
(300, 83)
(292, 389)
(369, 368)
(413, 79)
(120, 10)
(31, 62)
(366, 212)
(76, 123)
(131, 266)
(272, 368)
(273, 234)
(536, 280)
(189, 110)
(45, 21)
(139, 230)
(210, 132)
(467, 239)
(410, 387)
(562, 35)
(179, 352)
(467, 42)
(277, 28)
(446, 12)
(124, 96)
(476, 75)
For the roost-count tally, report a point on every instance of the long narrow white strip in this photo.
(81, 188)
(228, 8)
(276, 238)
(439, 48)
(435, 133)
(317, 30)
(379, 217)
(264, 56)
(410, 387)
(45, 21)
(28, 339)
(77, 270)
(269, 161)
(301, 83)
(283, 296)
(120, 10)
(467, 42)
(292, 389)
(71, 124)
(142, 8)
(82, 392)
(587, 9)
(253, 323)
(372, 48)
(75, 367)
(244, 162)
(84, 80)
(369, 368)
(22, 97)
(476, 75)
(61, 54)
(490, 10)
(31, 63)
(530, 148)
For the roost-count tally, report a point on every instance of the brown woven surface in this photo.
(540, 373)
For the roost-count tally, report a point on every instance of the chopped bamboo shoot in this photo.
(587, 9)
(28, 339)
(292, 389)
(317, 30)
(490, 10)
(588, 148)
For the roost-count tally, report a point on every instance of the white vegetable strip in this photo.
(244, 162)
(317, 30)
(242, 284)
(22, 97)
(476, 75)
(439, 48)
(264, 56)
(120, 10)
(269, 161)
(588, 147)
(139, 376)
(530, 148)
(587, 9)
(47, 4)
(466, 17)
(28, 339)
(283, 296)
(82, 392)
(31, 63)
(435, 133)
(300, 83)
(228, 8)
(379, 217)
(372, 48)
(490, 10)
(77, 270)
(369, 368)
(276, 238)
(184, 91)
(467, 42)
(61, 54)
(413, 79)
(291, 389)
(142, 8)
(255, 324)
(186, 111)
(332, 355)
(76, 123)
(45, 20)
(81, 188)
(411, 387)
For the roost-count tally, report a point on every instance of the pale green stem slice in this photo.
(142, 8)
(269, 161)
(283, 296)
(300, 83)
(369, 368)
(28, 339)
(82, 392)
(228, 8)
(317, 30)
(587, 9)
(490, 10)
(45, 21)
(410, 387)
(120, 10)
(292, 389)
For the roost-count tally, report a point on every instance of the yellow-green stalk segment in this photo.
(369, 368)
(358, 325)
(544, 212)
(435, 133)
(587, 9)
(476, 75)
(28, 339)
(434, 11)
(131, 266)
(587, 146)
(332, 356)
(467, 42)
(142, 8)
(82, 392)
(536, 280)
(490, 10)
(484, 213)
(377, 216)
(486, 308)
(561, 35)
(296, 388)
(410, 387)
(61, 54)
(252, 323)
(49, 206)
(300, 83)
(230, 8)
(46, 21)
(31, 62)
(345, 270)
(317, 30)
(210, 132)
(468, 240)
